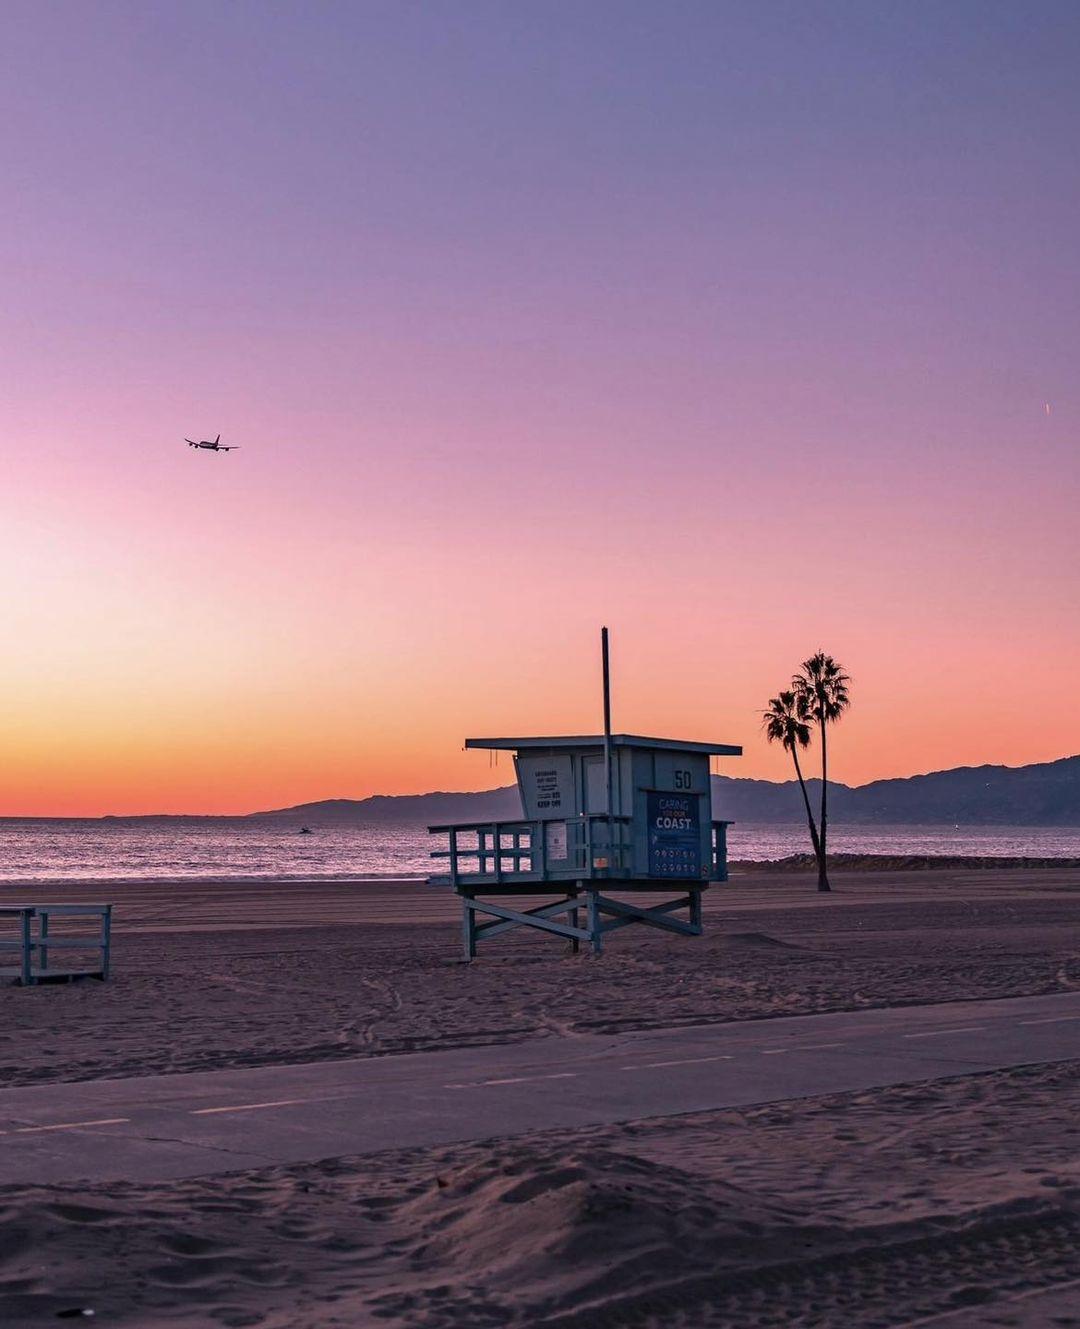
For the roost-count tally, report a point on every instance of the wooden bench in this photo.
(35, 941)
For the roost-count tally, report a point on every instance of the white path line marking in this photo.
(247, 1107)
(803, 1047)
(521, 1079)
(511, 1079)
(681, 1061)
(70, 1125)
(1051, 1019)
(940, 1033)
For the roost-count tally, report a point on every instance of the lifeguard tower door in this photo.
(595, 785)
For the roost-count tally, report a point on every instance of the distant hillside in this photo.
(1047, 794)
(432, 809)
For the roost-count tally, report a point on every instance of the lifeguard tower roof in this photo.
(597, 741)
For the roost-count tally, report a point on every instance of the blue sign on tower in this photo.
(674, 834)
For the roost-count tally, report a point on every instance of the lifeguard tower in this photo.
(605, 816)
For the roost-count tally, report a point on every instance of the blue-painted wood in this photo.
(604, 814)
(37, 940)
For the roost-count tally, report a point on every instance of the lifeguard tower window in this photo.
(658, 831)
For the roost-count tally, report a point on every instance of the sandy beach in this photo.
(226, 974)
(953, 1202)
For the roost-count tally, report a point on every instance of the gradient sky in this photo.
(732, 325)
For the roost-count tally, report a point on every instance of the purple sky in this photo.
(734, 324)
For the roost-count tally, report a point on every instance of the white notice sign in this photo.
(546, 786)
(555, 841)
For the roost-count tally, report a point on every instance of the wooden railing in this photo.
(719, 870)
(35, 940)
(505, 852)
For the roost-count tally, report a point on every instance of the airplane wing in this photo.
(191, 441)
(231, 448)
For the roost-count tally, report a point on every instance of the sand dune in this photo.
(874, 1209)
(537, 1234)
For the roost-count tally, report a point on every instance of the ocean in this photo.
(42, 851)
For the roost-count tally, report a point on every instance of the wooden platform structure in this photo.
(581, 911)
(35, 941)
(607, 819)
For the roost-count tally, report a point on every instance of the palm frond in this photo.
(785, 721)
(824, 687)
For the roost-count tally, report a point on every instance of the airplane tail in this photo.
(218, 439)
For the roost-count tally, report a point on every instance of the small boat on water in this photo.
(305, 830)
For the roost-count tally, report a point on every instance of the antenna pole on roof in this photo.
(607, 729)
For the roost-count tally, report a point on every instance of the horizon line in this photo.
(478, 793)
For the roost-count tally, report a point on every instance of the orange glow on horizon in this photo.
(241, 680)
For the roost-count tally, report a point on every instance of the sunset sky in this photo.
(744, 328)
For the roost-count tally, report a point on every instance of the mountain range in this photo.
(1046, 794)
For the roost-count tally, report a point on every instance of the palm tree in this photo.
(786, 720)
(823, 685)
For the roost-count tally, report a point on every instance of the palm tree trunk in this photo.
(806, 803)
(823, 870)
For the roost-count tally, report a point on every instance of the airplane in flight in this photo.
(215, 446)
